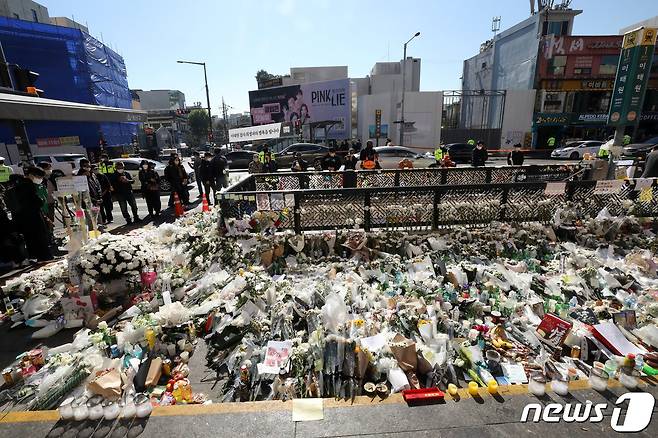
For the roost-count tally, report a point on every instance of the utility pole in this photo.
(205, 77)
(404, 85)
(225, 116)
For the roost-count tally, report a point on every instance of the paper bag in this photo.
(154, 373)
(107, 383)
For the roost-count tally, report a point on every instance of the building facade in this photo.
(575, 78)
(72, 66)
(498, 84)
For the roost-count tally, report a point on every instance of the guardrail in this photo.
(405, 177)
(435, 206)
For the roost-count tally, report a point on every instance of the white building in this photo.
(649, 22)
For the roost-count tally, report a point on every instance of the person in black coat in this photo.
(177, 177)
(515, 157)
(123, 188)
(479, 155)
(208, 176)
(107, 202)
(349, 177)
(28, 217)
(220, 168)
(196, 165)
(331, 162)
(150, 187)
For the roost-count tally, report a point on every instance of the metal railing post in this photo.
(435, 211)
(297, 215)
(366, 210)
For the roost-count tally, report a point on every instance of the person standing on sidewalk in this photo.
(28, 215)
(196, 164)
(150, 187)
(106, 196)
(123, 189)
(515, 157)
(255, 166)
(207, 176)
(177, 177)
(479, 155)
(220, 168)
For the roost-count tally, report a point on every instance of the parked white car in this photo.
(575, 150)
(61, 163)
(390, 157)
(131, 165)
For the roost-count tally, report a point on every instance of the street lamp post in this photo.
(404, 83)
(205, 77)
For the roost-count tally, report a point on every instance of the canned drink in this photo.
(8, 375)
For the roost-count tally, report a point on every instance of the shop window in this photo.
(553, 102)
(555, 27)
(582, 71)
(609, 65)
(556, 65)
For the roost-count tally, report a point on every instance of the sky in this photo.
(236, 38)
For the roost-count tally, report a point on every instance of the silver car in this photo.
(575, 150)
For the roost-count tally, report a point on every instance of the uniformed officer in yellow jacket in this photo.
(5, 171)
(438, 154)
(261, 155)
(106, 167)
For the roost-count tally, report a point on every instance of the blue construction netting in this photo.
(72, 66)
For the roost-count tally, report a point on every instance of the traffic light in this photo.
(25, 81)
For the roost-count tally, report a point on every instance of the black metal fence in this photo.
(405, 177)
(434, 206)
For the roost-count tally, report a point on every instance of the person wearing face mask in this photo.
(207, 176)
(123, 188)
(95, 191)
(150, 187)
(479, 155)
(28, 216)
(177, 177)
(50, 188)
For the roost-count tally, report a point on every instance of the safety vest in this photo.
(438, 154)
(261, 156)
(627, 139)
(5, 171)
(551, 142)
(106, 168)
(603, 153)
(471, 142)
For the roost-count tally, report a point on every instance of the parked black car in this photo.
(641, 149)
(239, 159)
(460, 152)
(312, 153)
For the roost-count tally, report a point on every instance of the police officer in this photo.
(106, 167)
(627, 140)
(438, 154)
(5, 171)
(470, 142)
(261, 155)
(551, 142)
